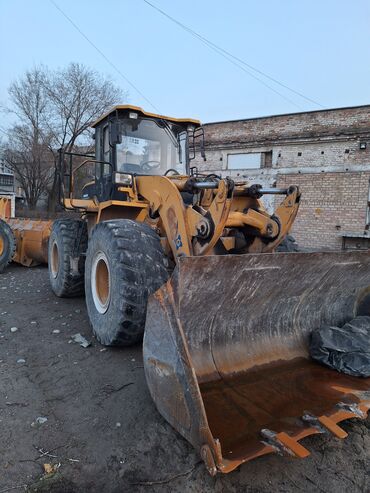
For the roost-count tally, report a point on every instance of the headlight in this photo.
(123, 179)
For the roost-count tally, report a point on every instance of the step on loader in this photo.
(189, 256)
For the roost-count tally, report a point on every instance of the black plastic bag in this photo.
(346, 349)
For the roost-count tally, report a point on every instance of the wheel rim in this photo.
(1, 245)
(54, 264)
(100, 282)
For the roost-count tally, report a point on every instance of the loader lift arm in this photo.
(196, 229)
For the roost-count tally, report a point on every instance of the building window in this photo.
(4, 168)
(299, 154)
(6, 180)
(251, 160)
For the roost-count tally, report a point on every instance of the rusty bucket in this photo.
(226, 351)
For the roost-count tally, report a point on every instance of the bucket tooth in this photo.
(333, 427)
(297, 449)
(284, 444)
(323, 424)
(353, 408)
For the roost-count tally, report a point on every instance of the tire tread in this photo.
(140, 269)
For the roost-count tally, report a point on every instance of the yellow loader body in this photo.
(226, 337)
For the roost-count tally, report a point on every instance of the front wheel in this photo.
(125, 264)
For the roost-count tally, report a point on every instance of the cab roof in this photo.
(125, 108)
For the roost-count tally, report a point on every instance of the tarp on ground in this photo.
(345, 349)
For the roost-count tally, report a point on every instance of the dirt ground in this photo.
(103, 432)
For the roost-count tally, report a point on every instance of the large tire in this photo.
(125, 263)
(7, 244)
(66, 257)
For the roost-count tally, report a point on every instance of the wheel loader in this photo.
(186, 261)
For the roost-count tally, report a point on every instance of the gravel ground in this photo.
(103, 433)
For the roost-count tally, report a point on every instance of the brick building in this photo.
(326, 153)
(7, 185)
(6, 178)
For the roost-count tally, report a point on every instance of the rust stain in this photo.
(276, 397)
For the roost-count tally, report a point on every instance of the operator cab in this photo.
(131, 142)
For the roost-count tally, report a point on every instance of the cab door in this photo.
(104, 169)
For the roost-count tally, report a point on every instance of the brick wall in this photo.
(341, 121)
(318, 151)
(331, 203)
(320, 154)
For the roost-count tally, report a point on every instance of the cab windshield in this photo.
(149, 148)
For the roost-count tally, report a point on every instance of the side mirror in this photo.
(115, 136)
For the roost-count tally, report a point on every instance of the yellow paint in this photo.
(137, 109)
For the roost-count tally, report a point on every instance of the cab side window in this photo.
(103, 153)
(106, 148)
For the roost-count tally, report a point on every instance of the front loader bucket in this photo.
(32, 237)
(226, 351)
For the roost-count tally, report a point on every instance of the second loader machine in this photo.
(186, 260)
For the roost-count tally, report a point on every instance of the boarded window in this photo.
(244, 161)
(267, 162)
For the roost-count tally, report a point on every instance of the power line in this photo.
(229, 56)
(231, 60)
(103, 55)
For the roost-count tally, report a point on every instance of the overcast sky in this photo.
(318, 48)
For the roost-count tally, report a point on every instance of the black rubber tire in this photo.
(9, 244)
(288, 245)
(69, 239)
(136, 266)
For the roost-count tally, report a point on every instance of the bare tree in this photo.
(78, 96)
(54, 109)
(27, 150)
(30, 159)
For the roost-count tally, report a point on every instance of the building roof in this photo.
(298, 113)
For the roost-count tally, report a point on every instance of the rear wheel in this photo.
(125, 264)
(7, 244)
(66, 262)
